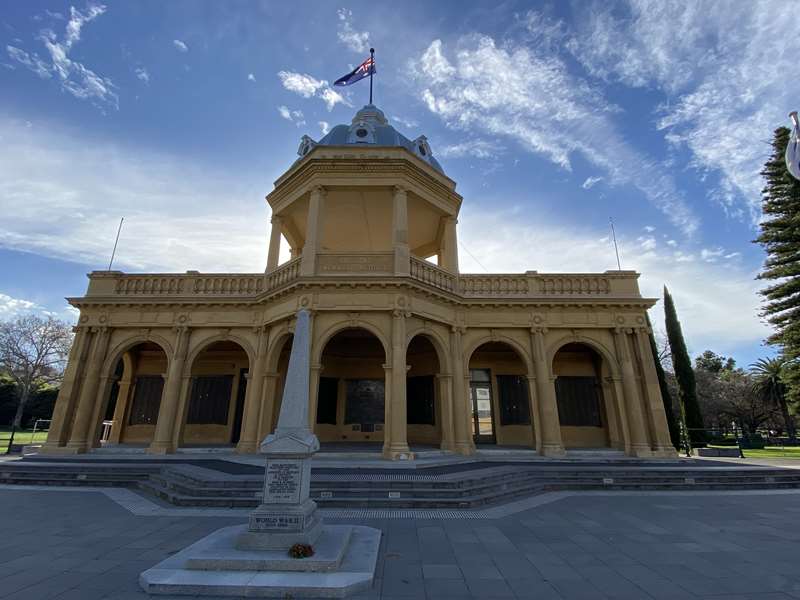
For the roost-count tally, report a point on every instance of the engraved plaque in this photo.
(283, 482)
(264, 521)
(356, 263)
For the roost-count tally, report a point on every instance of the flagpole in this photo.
(371, 70)
(116, 241)
(614, 237)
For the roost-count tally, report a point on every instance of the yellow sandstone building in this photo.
(407, 351)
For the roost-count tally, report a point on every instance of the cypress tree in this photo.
(780, 238)
(666, 397)
(684, 374)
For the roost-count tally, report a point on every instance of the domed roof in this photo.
(370, 127)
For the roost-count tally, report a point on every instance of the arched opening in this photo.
(212, 414)
(135, 396)
(423, 405)
(351, 394)
(583, 410)
(499, 396)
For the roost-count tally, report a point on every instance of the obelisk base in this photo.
(280, 526)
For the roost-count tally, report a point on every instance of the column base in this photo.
(398, 452)
(464, 448)
(63, 450)
(447, 446)
(553, 450)
(665, 452)
(641, 451)
(247, 448)
(160, 448)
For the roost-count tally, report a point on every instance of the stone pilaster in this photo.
(462, 406)
(449, 252)
(69, 392)
(266, 421)
(123, 397)
(444, 383)
(397, 446)
(164, 439)
(79, 437)
(637, 428)
(546, 395)
(402, 265)
(313, 395)
(248, 440)
(316, 209)
(534, 405)
(662, 443)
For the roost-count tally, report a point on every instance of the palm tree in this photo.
(769, 384)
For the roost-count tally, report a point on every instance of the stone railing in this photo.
(494, 285)
(285, 273)
(426, 272)
(535, 285)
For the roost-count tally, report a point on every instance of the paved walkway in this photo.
(84, 546)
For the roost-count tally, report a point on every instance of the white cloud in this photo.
(474, 148)
(181, 46)
(62, 194)
(357, 41)
(649, 228)
(544, 108)
(293, 116)
(308, 87)
(672, 243)
(706, 294)
(725, 67)
(591, 182)
(324, 126)
(11, 308)
(251, 77)
(74, 77)
(405, 122)
(142, 74)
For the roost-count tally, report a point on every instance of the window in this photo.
(326, 400)
(365, 401)
(419, 401)
(476, 375)
(210, 399)
(514, 404)
(578, 401)
(146, 400)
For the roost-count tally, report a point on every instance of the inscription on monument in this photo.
(283, 482)
(355, 263)
(262, 521)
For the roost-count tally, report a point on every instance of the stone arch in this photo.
(330, 332)
(115, 354)
(570, 338)
(198, 347)
(499, 372)
(215, 382)
(275, 347)
(428, 409)
(589, 407)
(440, 345)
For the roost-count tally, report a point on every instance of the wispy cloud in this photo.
(142, 74)
(473, 148)
(181, 46)
(544, 108)
(73, 76)
(11, 308)
(308, 87)
(251, 77)
(591, 182)
(726, 69)
(293, 116)
(324, 127)
(357, 41)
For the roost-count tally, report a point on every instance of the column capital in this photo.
(444, 376)
(317, 367)
(319, 190)
(399, 189)
(276, 219)
(387, 367)
(539, 330)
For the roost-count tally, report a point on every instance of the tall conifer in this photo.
(684, 374)
(780, 238)
(666, 397)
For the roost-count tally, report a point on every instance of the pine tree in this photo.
(780, 238)
(684, 374)
(666, 397)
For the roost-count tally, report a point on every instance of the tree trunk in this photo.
(787, 419)
(23, 400)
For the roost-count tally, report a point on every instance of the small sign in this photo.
(608, 480)
(394, 494)
(689, 480)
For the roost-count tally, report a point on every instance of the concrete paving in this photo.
(83, 545)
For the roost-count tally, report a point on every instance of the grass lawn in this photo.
(774, 452)
(21, 436)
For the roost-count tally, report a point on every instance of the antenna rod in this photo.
(371, 71)
(114, 251)
(616, 249)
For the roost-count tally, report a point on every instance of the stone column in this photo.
(316, 208)
(462, 411)
(313, 395)
(397, 447)
(658, 418)
(637, 428)
(445, 392)
(449, 252)
(400, 232)
(274, 243)
(164, 438)
(546, 395)
(78, 439)
(248, 440)
(534, 403)
(68, 392)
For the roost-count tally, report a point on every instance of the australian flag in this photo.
(363, 70)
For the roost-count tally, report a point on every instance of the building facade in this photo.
(407, 351)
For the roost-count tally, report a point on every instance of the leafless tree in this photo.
(662, 346)
(33, 351)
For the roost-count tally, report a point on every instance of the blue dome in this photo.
(370, 127)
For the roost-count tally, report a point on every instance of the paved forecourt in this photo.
(82, 545)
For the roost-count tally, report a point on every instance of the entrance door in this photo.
(482, 416)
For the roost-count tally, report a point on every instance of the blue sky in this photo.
(551, 117)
